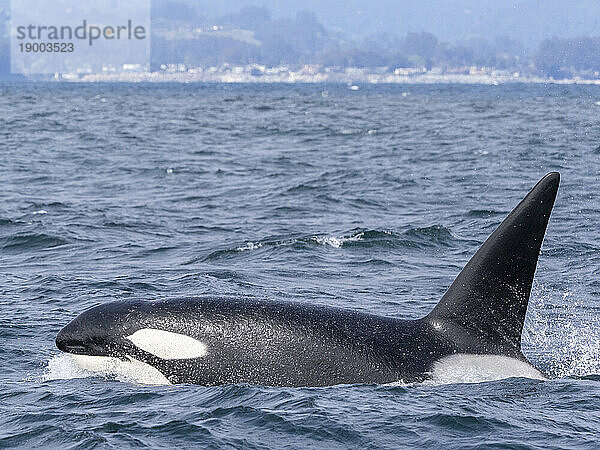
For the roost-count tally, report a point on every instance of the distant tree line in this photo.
(304, 40)
(562, 58)
(273, 41)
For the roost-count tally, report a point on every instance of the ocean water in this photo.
(371, 200)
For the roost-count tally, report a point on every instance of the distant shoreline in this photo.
(343, 78)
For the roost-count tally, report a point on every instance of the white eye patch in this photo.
(168, 345)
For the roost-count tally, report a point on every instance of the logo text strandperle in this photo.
(81, 32)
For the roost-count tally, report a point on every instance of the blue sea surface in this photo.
(371, 200)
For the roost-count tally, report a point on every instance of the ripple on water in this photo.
(24, 242)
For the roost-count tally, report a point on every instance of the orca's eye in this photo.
(168, 345)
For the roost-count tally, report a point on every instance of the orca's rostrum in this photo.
(215, 340)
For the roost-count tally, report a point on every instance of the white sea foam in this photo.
(329, 240)
(41, 211)
(64, 367)
(249, 246)
(337, 242)
(561, 334)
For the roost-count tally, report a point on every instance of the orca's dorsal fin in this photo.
(488, 300)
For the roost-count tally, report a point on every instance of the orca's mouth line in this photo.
(74, 349)
(80, 350)
(119, 350)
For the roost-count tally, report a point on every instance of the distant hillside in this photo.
(529, 21)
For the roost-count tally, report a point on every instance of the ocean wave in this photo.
(7, 222)
(249, 246)
(32, 241)
(338, 242)
(485, 213)
(432, 236)
(435, 235)
(39, 206)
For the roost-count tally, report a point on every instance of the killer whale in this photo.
(218, 340)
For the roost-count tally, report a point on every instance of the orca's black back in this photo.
(289, 344)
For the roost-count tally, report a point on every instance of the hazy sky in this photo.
(528, 20)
